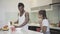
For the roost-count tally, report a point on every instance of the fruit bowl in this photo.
(5, 28)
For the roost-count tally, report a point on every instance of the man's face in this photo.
(21, 8)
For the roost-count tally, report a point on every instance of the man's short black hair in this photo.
(20, 4)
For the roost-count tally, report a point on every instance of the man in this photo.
(23, 17)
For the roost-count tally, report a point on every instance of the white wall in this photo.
(27, 4)
(8, 11)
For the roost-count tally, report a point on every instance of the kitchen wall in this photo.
(52, 15)
(55, 9)
(27, 4)
(33, 17)
(59, 12)
(8, 10)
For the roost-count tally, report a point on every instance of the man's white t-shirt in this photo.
(46, 23)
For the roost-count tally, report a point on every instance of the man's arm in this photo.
(16, 22)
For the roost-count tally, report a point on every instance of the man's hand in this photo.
(17, 27)
(11, 22)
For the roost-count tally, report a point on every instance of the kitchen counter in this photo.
(3, 32)
(58, 28)
(55, 30)
(28, 32)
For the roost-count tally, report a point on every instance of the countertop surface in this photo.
(28, 32)
(55, 28)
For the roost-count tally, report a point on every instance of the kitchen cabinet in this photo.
(36, 3)
(55, 1)
(53, 30)
(33, 28)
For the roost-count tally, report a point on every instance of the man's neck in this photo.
(21, 13)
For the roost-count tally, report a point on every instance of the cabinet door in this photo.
(53, 31)
(36, 3)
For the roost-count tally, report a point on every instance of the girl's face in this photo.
(40, 16)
